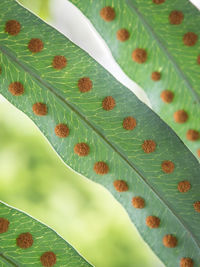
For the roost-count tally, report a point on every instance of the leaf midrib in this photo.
(164, 48)
(52, 89)
(8, 260)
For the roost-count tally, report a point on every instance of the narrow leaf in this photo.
(25, 241)
(100, 129)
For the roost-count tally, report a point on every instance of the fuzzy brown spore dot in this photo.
(156, 76)
(167, 166)
(82, 149)
(149, 146)
(59, 62)
(48, 259)
(167, 96)
(158, 2)
(196, 206)
(186, 262)
(107, 13)
(198, 60)
(198, 153)
(101, 168)
(39, 109)
(120, 186)
(192, 135)
(169, 241)
(85, 84)
(4, 224)
(176, 17)
(190, 39)
(138, 202)
(24, 240)
(129, 123)
(152, 222)
(16, 88)
(122, 35)
(108, 103)
(12, 27)
(0, 70)
(184, 186)
(139, 55)
(180, 116)
(61, 130)
(35, 45)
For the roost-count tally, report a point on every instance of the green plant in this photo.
(25, 241)
(173, 60)
(100, 129)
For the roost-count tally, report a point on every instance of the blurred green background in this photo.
(33, 179)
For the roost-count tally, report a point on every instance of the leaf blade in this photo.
(44, 239)
(103, 130)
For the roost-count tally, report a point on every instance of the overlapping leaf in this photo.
(103, 131)
(150, 29)
(24, 241)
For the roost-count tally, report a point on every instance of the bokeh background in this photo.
(33, 178)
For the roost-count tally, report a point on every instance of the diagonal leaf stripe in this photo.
(114, 151)
(178, 64)
(23, 241)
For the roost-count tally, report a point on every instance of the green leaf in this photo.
(109, 142)
(150, 29)
(24, 240)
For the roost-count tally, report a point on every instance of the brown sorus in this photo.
(186, 262)
(198, 59)
(190, 39)
(12, 27)
(180, 116)
(158, 2)
(168, 166)
(120, 185)
(197, 206)
(152, 222)
(107, 13)
(169, 241)
(39, 109)
(167, 96)
(35, 45)
(101, 168)
(184, 186)
(155, 76)
(61, 130)
(139, 55)
(48, 259)
(4, 224)
(84, 84)
(129, 123)
(16, 88)
(82, 149)
(192, 135)
(138, 202)
(108, 103)
(0, 70)
(123, 35)
(198, 152)
(24, 240)
(59, 62)
(149, 146)
(176, 17)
